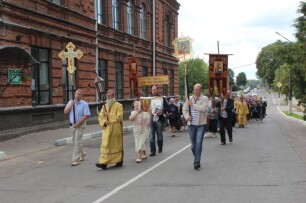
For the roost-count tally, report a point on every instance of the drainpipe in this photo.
(154, 38)
(97, 47)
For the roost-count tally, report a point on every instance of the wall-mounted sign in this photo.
(14, 76)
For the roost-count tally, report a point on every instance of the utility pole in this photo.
(290, 90)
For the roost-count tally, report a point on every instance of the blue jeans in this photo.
(196, 137)
(158, 128)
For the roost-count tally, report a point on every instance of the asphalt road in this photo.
(265, 163)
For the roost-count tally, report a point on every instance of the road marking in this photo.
(117, 189)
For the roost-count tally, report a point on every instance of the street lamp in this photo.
(290, 91)
(99, 82)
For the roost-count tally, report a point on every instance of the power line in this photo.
(242, 66)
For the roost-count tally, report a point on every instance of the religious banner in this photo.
(182, 47)
(218, 73)
(153, 80)
(133, 61)
(145, 103)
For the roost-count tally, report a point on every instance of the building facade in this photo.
(108, 32)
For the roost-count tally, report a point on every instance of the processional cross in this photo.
(70, 55)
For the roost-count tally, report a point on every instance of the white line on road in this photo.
(117, 189)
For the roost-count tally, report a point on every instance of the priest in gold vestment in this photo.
(242, 110)
(111, 121)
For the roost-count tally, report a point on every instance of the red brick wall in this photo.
(47, 25)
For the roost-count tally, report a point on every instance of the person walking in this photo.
(181, 121)
(226, 107)
(157, 123)
(212, 112)
(141, 121)
(196, 121)
(79, 112)
(111, 121)
(173, 116)
(242, 111)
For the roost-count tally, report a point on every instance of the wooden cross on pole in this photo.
(70, 55)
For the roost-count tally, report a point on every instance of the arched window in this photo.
(143, 22)
(115, 14)
(167, 31)
(130, 17)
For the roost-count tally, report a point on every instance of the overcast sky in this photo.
(242, 28)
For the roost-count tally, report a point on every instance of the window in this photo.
(119, 80)
(102, 72)
(40, 77)
(116, 14)
(171, 82)
(101, 12)
(167, 31)
(67, 85)
(143, 23)
(165, 87)
(145, 90)
(130, 17)
(59, 2)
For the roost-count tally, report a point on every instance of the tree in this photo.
(197, 71)
(252, 83)
(241, 79)
(231, 78)
(300, 55)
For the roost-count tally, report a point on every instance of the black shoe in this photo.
(103, 166)
(196, 166)
(152, 154)
(231, 140)
(223, 143)
(160, 150)
(119, 164)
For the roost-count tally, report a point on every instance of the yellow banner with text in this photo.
(153, 80)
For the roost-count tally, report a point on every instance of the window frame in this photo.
(119, 80)
(116, 14)
(145, 73)
(143, 22)
(36, 72)
(165, 87)
(101, 12)
(130, 17)
(68, 89)
(103, 73)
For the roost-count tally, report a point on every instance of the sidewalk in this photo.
(34, 142)
(283, 106)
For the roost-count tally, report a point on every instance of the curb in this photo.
(289, 117)
(68, 140)
(294, 119)
(2, 156)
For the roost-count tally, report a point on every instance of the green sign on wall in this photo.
(14, 76)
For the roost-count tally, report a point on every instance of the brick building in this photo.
(108, 32)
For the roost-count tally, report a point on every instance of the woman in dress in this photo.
(173, 116)
(141, 131)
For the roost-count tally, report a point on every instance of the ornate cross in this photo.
(70, 55)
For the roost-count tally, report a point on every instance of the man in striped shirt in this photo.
(196, 117)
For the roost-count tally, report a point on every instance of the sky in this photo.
(242, 27)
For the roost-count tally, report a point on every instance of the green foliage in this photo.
(197, 71)
(231, 77)
(278, 60)
(252, 83)
(241, 79)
